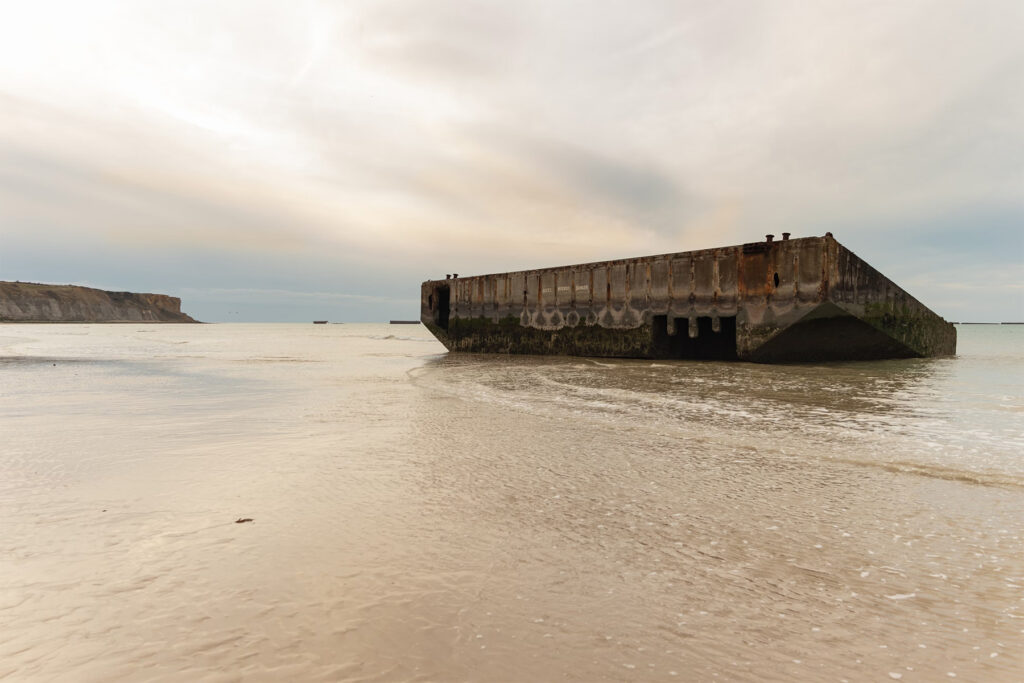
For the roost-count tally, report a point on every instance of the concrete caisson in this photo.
(774, 301)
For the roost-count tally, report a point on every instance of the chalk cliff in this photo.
(31, 302)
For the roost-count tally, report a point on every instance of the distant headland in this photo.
(30, 302)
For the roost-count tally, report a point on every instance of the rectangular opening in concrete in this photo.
(442, 305)
(707, 345)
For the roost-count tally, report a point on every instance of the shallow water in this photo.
(419, 516)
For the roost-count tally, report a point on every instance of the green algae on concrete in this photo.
(508, 335)
(925, 335)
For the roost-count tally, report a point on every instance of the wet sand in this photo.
(419, 517)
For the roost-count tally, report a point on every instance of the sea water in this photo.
(423, 516)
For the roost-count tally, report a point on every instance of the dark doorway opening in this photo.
(443, 299)
(708, 344)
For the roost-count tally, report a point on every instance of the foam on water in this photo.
(949, 418)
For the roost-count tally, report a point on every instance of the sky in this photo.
(298, 160)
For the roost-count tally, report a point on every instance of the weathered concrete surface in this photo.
(31, 302)
(773, 301)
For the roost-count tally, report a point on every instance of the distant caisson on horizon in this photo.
(789, 300)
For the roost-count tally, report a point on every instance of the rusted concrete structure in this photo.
(773, 301)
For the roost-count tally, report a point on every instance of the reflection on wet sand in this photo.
(424, 517)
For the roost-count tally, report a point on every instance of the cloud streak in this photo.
(410, 139)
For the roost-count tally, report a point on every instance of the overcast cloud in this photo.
(288, 160)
